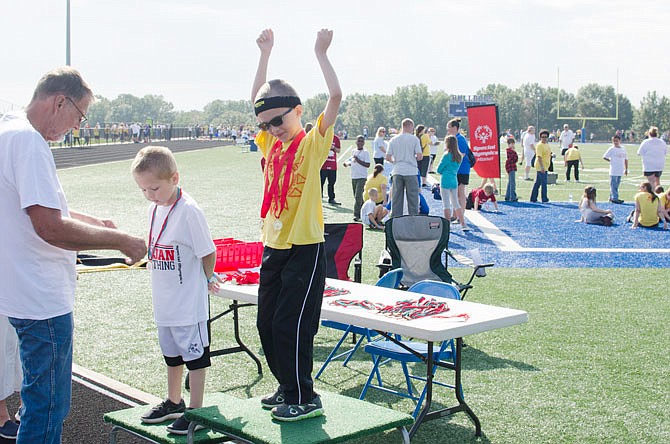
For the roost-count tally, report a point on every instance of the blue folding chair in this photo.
(389, 280)
(388, 351)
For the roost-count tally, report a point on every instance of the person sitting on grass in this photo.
(479, 196)
(648, 210)
(664, 197)
(180, 282)
(373, 213)
(590, 212)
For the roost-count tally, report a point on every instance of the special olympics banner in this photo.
(484, 139)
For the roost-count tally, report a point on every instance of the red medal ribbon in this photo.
(151, 227)
(276, 163)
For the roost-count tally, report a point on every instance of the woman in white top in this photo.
(653, 151)
(379, 145)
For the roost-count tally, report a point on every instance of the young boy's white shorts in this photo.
(10, 364)
(188, 341)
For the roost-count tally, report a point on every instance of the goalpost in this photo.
(585, 118)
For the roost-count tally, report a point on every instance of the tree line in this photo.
(529, 104)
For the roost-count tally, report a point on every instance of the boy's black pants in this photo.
(289, 305)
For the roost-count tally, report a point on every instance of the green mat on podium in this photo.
(344, 419)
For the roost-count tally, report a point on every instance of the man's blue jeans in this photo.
(45, 347)
(614, 187)
(540, 184)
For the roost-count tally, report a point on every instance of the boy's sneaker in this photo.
(296, 412)
(274, 400)
(164, 411)
(9, 430)
(180, 426)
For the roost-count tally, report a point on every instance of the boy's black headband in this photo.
(267, 103)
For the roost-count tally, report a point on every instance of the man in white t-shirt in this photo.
(404, 150)
(566, 138)
(359, 163)
(40, 237)
(618, 159)
(653, 151)
(528, 143)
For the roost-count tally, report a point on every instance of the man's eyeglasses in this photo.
(276, 121)
(83, 117)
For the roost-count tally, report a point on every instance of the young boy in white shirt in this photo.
(181, 257)
(372, 213)
(618, 159)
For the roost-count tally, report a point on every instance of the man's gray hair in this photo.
(65, 80)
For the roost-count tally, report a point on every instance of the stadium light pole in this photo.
(67, 33)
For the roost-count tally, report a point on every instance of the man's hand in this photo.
(323, 39)
(135, 249)
(266, 40)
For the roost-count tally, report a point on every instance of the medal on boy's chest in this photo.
(277, 225)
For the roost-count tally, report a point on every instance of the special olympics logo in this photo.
(483, 133)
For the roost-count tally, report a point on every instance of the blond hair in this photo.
(157, 159)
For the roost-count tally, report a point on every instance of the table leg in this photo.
(462, 406)
(236, 327)
(241, 347)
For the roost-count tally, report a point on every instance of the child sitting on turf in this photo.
(479, 196)
(181, 258)
(665, 199)
(293, 272)
(372, 213)
(648, 211)
(590, 212)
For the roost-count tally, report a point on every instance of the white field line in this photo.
(506, 243)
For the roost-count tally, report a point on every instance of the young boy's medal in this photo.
(277, 225)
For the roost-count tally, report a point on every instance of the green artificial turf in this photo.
(590, 365)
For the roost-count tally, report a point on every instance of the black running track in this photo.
(84, 425)
(92, 154)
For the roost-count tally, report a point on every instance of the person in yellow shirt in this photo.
(572, 159)
(424, 139)
(293, 270)
(664, 197)
(378, 181)
(542, 161)
(648, 210)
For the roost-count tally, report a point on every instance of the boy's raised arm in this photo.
(265, 41)
(323, 39)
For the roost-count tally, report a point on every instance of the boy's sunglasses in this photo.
(276, 121)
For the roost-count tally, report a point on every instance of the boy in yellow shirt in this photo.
(572, 159)
(293, 271)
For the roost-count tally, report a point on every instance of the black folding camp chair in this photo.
(417, 245)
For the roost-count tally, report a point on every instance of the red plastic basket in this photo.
(233, 254)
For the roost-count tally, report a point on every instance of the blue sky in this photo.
(193, 52)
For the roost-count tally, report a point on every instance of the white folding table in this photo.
(481, 318)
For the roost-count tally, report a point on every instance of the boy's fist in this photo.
(323, 39)
(266, 40)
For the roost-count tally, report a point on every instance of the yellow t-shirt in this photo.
(376, 182)
(665, 202)
(302, 220)
(572, 154)
(544, 151)
(425, 144)
(648, 209)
